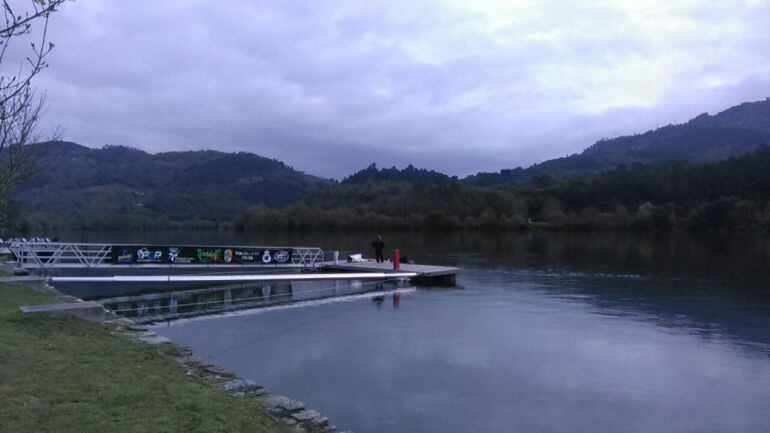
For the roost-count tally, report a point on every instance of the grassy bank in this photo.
(60, 374)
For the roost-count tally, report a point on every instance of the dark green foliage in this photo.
(712, 215)
(120, 187)
(409, 174)
(714, 196)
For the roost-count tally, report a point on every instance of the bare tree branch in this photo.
(20, 108)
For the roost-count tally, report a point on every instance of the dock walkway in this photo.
(439, 275)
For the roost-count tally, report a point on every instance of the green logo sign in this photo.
(209, 255)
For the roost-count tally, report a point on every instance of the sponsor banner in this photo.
(148, 254)
(181, 256)
(265, 256)
(125, 255)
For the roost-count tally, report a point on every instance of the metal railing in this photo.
(90, 255)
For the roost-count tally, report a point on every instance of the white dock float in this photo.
(234, 278)
(425, 274)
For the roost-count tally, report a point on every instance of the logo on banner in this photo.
(282, 256)
(173, 253)
(125, 255)
(209, 255)
(146, 255)
(177, 255)
(228, 255)
(246, 255)
(266, 257)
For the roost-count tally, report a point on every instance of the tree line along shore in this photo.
(731, 195)
(728, 195)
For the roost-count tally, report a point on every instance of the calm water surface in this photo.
(545, 333)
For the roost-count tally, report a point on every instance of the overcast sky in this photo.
(458, 86)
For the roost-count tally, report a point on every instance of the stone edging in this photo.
(285, 410)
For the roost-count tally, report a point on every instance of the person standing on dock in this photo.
(378, 246)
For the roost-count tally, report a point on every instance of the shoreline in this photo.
(290, 414)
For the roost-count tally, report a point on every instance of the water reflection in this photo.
(511, 352)
(708, 309)
(553, 332)
(172, 305)
(716, 286)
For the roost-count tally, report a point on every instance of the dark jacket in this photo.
(378, 245)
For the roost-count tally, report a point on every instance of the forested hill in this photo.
(733, 132)
(408, 174)
(118, 186)
(731, 194)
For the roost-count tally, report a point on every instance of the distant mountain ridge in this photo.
(117, 186)
(734, 132)
(117, 183)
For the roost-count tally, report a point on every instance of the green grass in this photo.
(60, 374)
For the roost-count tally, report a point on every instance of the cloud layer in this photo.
(331, 86)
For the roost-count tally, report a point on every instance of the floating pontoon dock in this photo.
(179, 280)
(298, 263)
(62, 255)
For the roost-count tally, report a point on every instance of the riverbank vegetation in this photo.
(724, 196)
(728, 195)
(61, 374)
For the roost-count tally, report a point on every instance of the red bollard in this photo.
(396, 260)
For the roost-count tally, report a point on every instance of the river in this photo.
(545, 332)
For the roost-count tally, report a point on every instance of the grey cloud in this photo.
(331, 86)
